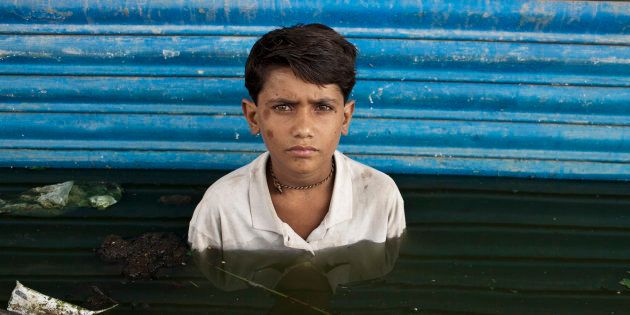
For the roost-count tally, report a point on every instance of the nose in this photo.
(303, 123)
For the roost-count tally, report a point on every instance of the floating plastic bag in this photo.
(25, 300)
(53, 200)
(53, 196)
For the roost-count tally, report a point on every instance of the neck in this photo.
(302, 182)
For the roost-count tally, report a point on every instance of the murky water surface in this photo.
(473, 246)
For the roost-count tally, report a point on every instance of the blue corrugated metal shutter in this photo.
(512, 88)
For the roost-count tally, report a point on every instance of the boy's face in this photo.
(300, 122)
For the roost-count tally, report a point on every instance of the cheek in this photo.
(269, 134)
(265, 113)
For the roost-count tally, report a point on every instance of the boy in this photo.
(302, 193)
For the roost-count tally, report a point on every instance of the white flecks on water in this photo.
(236, 136)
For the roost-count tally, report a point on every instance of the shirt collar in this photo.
(341, 202)
(264, 216)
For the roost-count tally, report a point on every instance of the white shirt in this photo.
(236, 212)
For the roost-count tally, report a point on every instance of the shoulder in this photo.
(221, 193)
(225, 203)
(233, 184)
(377, 198)
(369, 185)
(362, 174)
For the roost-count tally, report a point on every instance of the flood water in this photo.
(472, 246)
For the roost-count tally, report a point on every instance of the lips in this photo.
(302, 151)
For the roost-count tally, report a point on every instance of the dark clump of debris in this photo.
(145, 256)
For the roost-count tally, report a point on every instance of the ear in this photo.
(249, 111)
(348, 110)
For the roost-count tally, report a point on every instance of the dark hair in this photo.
(314, 52)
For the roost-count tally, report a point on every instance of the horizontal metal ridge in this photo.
(349, 32)
(405, 100)
(394, 151)
(450, 61)
(500, 20)
(403, 133)
(360, 112)
(443, 165)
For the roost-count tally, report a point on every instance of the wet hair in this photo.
(314, 52)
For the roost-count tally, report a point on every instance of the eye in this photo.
(324, 108)
(282, 107)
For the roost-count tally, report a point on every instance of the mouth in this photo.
(302, 151)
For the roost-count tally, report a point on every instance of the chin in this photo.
(303, 166)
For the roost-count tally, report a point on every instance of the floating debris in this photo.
(96, 195)
(25, 300)
(52, 196)
(102, 202)
(144, 257)
(53, 200)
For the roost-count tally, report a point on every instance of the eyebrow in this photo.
(280, 100)
(323, 100)
(288, 101)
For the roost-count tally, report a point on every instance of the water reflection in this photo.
(300, 281)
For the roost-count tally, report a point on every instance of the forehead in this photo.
(282, 82)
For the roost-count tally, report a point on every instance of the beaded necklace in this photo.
(279, 186)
